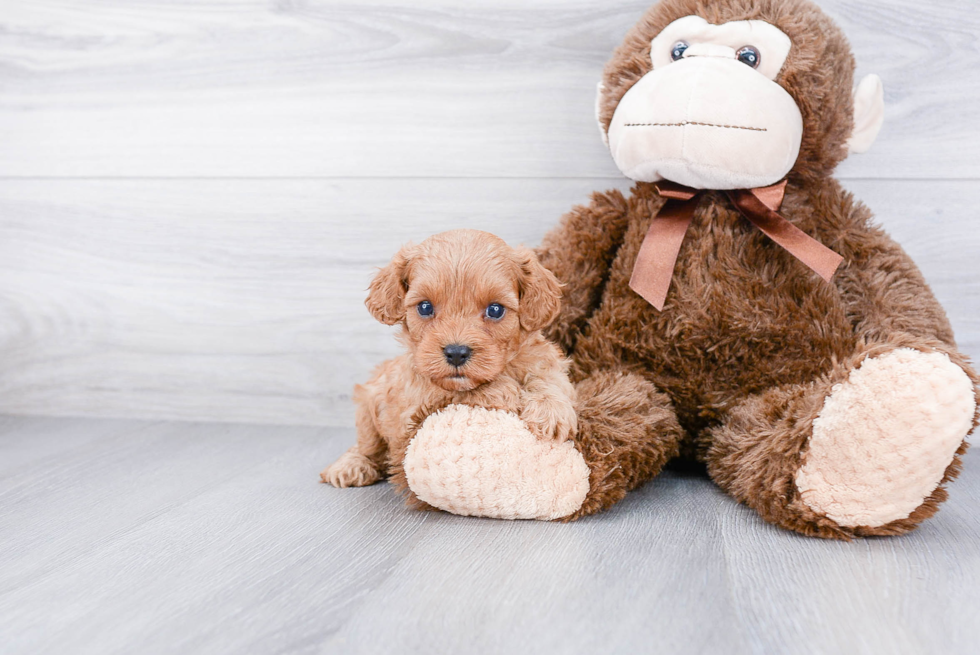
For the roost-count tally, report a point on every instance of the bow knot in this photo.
(655, 262)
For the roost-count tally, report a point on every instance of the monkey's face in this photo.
(709, 114)
(737, 94)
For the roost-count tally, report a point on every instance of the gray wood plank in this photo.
(404, 88)
(155, 533)
(218, 539)
(131, 476)
(45, 438)
(913, 594)
(242, 300)
(621, 582)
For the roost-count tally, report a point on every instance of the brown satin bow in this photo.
(658, 254)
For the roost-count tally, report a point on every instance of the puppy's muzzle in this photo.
(457, 354)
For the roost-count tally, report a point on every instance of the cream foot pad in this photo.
(480, 462)
(884, 438)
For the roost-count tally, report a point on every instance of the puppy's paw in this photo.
(541, 429)
(566, 426)
(550, 420)
(351, 470)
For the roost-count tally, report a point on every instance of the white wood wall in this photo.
(194, 193)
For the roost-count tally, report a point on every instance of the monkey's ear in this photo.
(540, 292)
(386, 295)
(869, 114)
(599, 90)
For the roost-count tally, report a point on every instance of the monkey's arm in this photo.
(885, 293)
(579, 252)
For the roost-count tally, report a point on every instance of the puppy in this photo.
(471, 310)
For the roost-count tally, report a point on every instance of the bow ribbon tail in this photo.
(757, 206)
(658, 254)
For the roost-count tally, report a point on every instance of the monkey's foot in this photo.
(480, 462)
(885, 436)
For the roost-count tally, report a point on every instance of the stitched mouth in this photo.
(696, 123)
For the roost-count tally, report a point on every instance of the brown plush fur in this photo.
(736, 367)
(512, 366)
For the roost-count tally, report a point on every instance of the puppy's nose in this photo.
(457, 354)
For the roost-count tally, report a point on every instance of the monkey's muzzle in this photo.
(706, 123)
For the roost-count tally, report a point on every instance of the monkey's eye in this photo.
(749, 56)
(494, 311)
(426, 309)
(678, 50)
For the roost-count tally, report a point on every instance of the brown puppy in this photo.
(471, 309)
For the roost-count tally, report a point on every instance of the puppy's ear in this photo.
(540, 292)
(386, 295)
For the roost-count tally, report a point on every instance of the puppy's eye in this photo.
(678, 50)
(495, 311)
(749, 56)
(426, 309)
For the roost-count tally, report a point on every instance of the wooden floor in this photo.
(138, 537)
